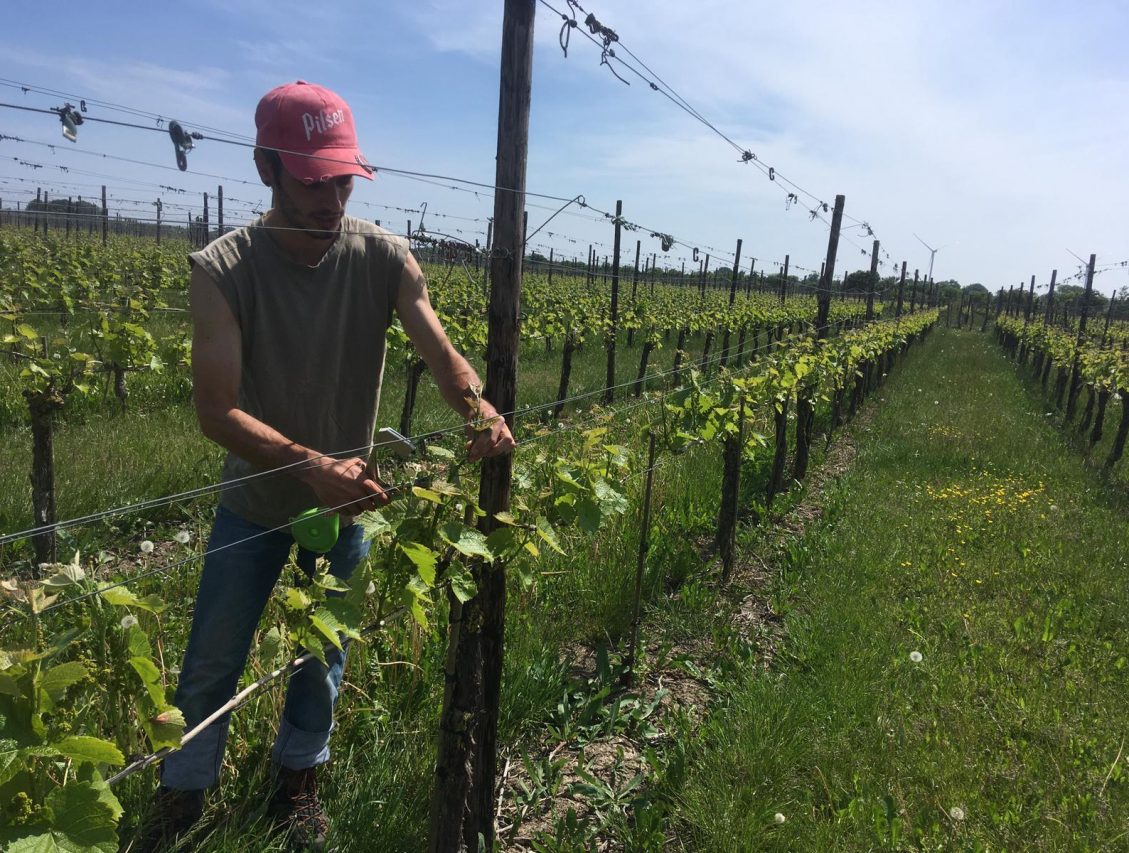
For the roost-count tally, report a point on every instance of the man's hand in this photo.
(345, 483)
(488, 434)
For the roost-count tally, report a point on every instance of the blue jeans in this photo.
(234, 588)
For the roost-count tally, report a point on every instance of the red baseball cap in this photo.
(312, 130)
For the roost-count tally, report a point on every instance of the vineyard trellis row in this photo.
(573, 492)
(1080, 358)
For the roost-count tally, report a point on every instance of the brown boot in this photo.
(296, 809)
(171, 814)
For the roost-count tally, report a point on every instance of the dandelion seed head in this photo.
(183, 537)
(779, 818)
(956, 813)
(146, 547)
(129, 621)
(915, 656)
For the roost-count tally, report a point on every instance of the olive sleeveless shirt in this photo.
(313, 349)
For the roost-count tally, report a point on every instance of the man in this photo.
(289, 319)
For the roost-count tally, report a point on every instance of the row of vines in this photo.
(87, 669)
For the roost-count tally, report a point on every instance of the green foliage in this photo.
(52, 792)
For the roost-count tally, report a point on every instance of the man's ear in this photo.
(266, 175)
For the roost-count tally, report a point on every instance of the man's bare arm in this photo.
(454, 376)
(216, 372)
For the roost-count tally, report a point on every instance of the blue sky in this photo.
(995, 130)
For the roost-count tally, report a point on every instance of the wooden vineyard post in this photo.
(679, 353)
(784, 280)
(415, 369)
(805, 405)
(1076, 366)
(873, 282)
(1049, 315)
(732, 297)
(550, 266)
(780, 458)
(732, 446)
(1118, 447)
(489, 250)
(105, 215)
(219, 215)
(159, 206)
(901, 293)
(42, 409)
(207, 234)
(634, 290)
(610, 342)
(913, 295)
(824, 311)
(463, 805)
(640, 564)
(567, 349)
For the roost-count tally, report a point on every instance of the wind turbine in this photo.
(932, 253)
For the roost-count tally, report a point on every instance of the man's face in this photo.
(314, 209)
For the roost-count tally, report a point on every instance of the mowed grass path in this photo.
(969, 534)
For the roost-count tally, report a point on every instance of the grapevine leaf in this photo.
(271, 644)
(423, 558)
(57, 679)
(304, 636)
(82, 823)
(90, 749)
(327, 625)
(296, 599)
(66, 574)
(465, 540)
(374, 524)
(532, 548)
(139, 643)
(120, 596)
(548, 535)
(463, 586)
(146, 669)
(331, 582)
(427, 494)
(609, 498)
(589, 516)
(442, 487)
(9, 756)
(347, 615)
(501, 540)
(418, 613)
(505, 518)
(165, 728)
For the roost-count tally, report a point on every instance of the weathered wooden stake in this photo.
(613, 329)
(463, 804)
(873, 282)
(821, 330)
(640, 564)
(1076, 367)
(732, 297)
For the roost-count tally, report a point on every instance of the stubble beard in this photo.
(293, 220)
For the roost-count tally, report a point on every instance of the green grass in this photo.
(969, 532)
